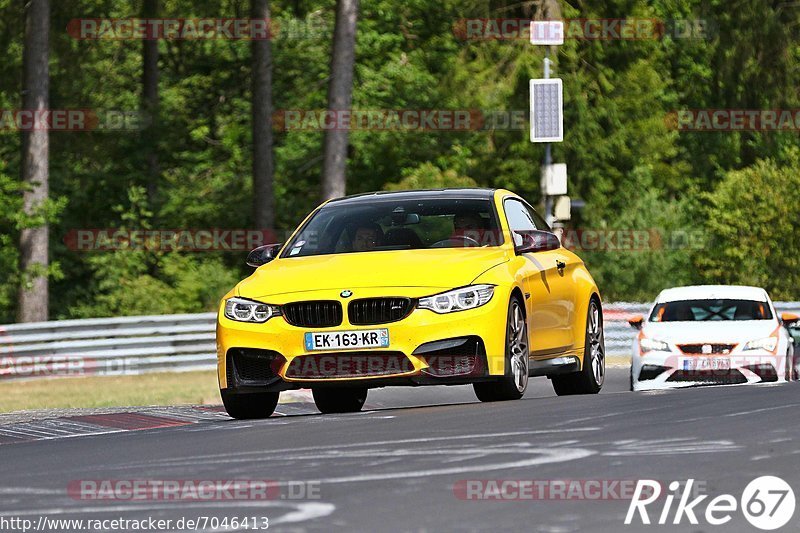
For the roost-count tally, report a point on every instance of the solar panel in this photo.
(547, 120)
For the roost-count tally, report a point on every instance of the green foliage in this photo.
(646, 249)
(10, 205)
(182, 285)
(132, 281)
(429, 176)
(633, 171)
(752, 225)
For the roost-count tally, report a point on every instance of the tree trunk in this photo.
(340, 93)
(263, 194)
(33, 293)
(150, 105)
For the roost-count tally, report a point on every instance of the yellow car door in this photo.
(546, 278)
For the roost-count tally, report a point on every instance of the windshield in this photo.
(397, 225)
(710, 311)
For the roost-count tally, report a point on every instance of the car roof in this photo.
(461, 194)
(713, 292)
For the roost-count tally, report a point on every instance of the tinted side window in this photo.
(519, 216)
(538, 220)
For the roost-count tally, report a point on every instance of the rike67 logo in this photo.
(767, 502)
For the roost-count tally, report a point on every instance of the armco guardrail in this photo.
(177, 343)
(618, 333)
(108, 346)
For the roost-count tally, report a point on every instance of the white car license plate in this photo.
(347, 340)
(707, 363)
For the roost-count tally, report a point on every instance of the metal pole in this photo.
(548, 156)
(547, 63)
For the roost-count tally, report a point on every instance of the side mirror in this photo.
(532, 241)
(263, 255)
(636, 322)
(789, 318)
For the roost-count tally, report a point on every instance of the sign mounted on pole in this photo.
(547, 110)
(547, 32)
(554, 179)
(563, 208)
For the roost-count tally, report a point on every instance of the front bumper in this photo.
(660, 370)
(275, 351)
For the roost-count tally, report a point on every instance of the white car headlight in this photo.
(458, 299)
(242, 310)
(769, 344)
(649, 345)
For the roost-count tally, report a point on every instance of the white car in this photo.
(711, 335)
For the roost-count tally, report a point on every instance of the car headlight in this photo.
(242, 310)
(769, 344)
(649, 345)
(458, 299)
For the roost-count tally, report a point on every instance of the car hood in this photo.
(436, 268)
(722, 332)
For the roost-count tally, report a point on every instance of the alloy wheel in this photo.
(518, 347)
(594, 333)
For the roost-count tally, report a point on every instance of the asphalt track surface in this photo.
(394, 466)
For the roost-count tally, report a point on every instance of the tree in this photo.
(633, 169)
(150, 102)
(340, 93)
(34, 248)
(263, 194)
(429, 176)
(752, 225)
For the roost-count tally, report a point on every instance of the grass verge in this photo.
(117, 391)
(111, 391)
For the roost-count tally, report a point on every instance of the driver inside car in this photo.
(469, 228)
(367, 237)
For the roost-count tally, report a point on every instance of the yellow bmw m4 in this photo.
(435, 287)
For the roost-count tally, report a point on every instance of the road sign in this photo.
(547, 110)
(547, 32)
(562, 209)
(554, 179)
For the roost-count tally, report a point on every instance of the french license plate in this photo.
(347, 340)
(707, 363)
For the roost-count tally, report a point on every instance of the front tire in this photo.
(795, 365)
(250, 406)
(589, 380)
(515, 380)
(791, 364)
(336, 400)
